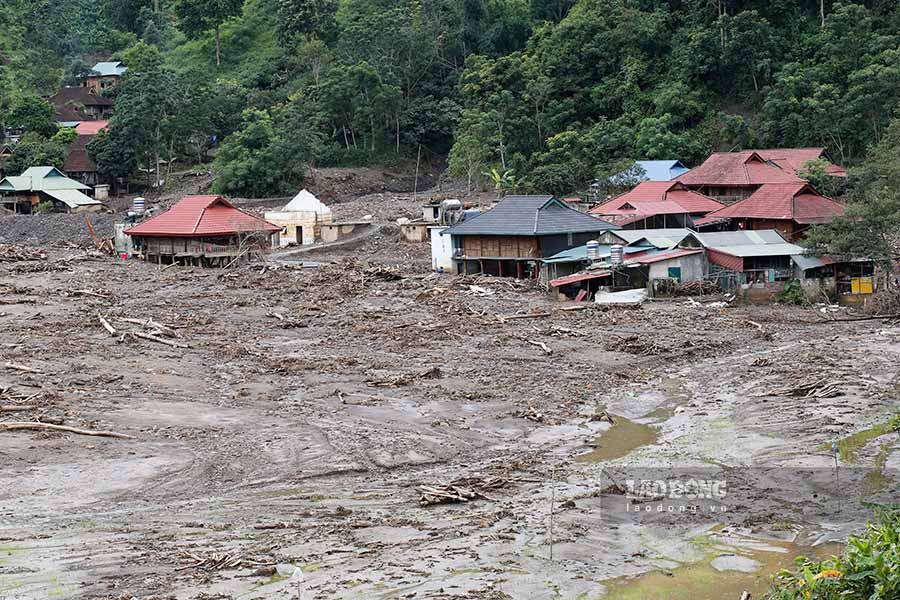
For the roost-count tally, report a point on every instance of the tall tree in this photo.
(196, 17)
(299, 18)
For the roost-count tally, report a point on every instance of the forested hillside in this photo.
(549, 93)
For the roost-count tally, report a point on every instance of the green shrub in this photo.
(792, 293)
(868, 569)
(44, 207)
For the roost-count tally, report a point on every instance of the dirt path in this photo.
(309, 405)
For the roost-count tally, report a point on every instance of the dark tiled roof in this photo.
(530, 215)
(69, 102)
(78, 160)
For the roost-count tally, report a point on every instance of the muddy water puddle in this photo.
(620, 440)
(724, 574)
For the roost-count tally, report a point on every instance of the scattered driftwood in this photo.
(635, 344)
(761, 331)
(461, 490)
(405, 378)
(221, 561)
(17, 367)
(852, 319)
(761, 362)
(12, 253)
(37, 426)
(603, 416)
(88, 292)
(532, 414)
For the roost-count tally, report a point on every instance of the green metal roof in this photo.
(40, 179)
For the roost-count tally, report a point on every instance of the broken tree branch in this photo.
(37, 426)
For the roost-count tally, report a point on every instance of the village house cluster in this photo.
(734, 221)
(76, 185)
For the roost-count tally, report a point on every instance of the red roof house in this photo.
(789, 208)
(207, 230)
(648, 204)
(733, 176)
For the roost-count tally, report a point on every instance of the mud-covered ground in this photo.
(294, 414)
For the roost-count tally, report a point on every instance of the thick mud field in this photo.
(284, 420)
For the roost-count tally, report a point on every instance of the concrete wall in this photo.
(441, 250)
(301, 227)
(334, 231)
(415, 232)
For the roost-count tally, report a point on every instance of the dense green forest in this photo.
(548, 94)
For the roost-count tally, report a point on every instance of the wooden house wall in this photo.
(500, 246)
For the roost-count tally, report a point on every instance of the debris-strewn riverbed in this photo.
(331, 419)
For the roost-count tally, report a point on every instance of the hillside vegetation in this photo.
(548, 93)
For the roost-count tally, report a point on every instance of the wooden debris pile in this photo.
(700, 287)
(149, 330)
(811, 387)
(13, 253)
(405, 378)
(463, 489)
(635, 344)
(220, 561)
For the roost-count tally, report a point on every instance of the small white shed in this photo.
(302, 219)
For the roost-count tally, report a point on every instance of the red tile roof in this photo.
(91, 127)
(206, 216)
(795, 159)
(655, 198)
(735, 169)
(794, 201)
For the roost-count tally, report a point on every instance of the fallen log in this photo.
(37, 426)
(16, 408)
(541, 345)
(106, 325)
(18, 367)
(153, 338)
(504, 318)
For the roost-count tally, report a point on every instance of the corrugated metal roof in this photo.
(661, 238)
(72, 198)
(677, 253)
(40, 179)
(806, 262)
(202, 216)
(579, 253)
(108, 68)
(739, 238)
(530, 216)
(745, 251)
(656, 170)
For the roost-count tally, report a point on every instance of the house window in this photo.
(675, 273)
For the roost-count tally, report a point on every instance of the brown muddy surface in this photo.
(298, 411)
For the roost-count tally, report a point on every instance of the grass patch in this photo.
(849, 447)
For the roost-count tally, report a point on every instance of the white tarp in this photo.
(635, 296)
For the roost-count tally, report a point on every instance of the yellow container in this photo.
(861, 285)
